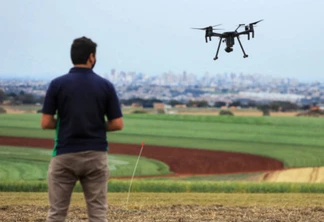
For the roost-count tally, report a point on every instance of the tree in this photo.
(3, 96)
(283, 106)
(226, 113)
(219, 104)
(235, 103)
(27, 98)
(200, 103)
(174, 102)
(265, 108)
(2, 110)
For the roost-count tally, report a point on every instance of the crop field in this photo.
(25, 163)
(295, 141)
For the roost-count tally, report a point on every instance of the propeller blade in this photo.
(200, 28)
(253, 23)
(207, 27)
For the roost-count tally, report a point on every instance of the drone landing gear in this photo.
(244, 54)
(220, 41)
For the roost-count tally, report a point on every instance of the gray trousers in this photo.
(91, 169)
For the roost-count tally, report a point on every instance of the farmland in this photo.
(295, 141)
(25, 163)
(171, 207)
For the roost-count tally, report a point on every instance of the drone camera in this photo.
(228, 49)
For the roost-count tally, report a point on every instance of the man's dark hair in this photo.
(81, 49)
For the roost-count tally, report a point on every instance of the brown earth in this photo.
(175, 213)
(174, 207)
(180, 160)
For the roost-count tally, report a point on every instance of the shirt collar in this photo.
(82, 70)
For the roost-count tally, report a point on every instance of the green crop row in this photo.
(296, 141)
(25, 163)
(178, 187)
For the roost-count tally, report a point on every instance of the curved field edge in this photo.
(176, 187)
(296, 141)
(27, 163)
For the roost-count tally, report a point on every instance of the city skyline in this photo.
(108, 75)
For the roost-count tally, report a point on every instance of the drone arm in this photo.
(213, 34)
(217, 34)
(239, 27)
(244, 33)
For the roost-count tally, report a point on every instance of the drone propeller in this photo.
(251, 26)
(208, 27)
(254, 23)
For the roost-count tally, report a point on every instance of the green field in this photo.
(297, 141)
(28, 164)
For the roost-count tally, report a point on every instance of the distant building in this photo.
(158, 105)
(136, 105)
(161, 107)
(180, 106)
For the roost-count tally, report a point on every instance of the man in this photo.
(77, 105)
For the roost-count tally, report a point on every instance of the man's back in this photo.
(83, 99)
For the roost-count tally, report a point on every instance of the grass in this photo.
(162, 199)
(25, 163)
(296, 141)
(167, 186)
(216, 177)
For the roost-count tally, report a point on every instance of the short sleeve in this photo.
(114, 110)
(50, 102)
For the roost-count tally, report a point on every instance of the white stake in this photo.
(130, 185)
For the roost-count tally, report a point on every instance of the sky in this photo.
(153, 37)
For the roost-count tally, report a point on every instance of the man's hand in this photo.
(48, 121)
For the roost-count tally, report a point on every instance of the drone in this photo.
(229, 37)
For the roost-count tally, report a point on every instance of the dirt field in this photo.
(180, 160)
(146, 207)
(176, 213)
(303, 175)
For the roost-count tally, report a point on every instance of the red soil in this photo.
(180, 160)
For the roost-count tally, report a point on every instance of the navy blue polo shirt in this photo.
(82, 101)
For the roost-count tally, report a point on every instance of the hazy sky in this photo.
(153, 37)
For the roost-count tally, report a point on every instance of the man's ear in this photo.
(92, 57)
